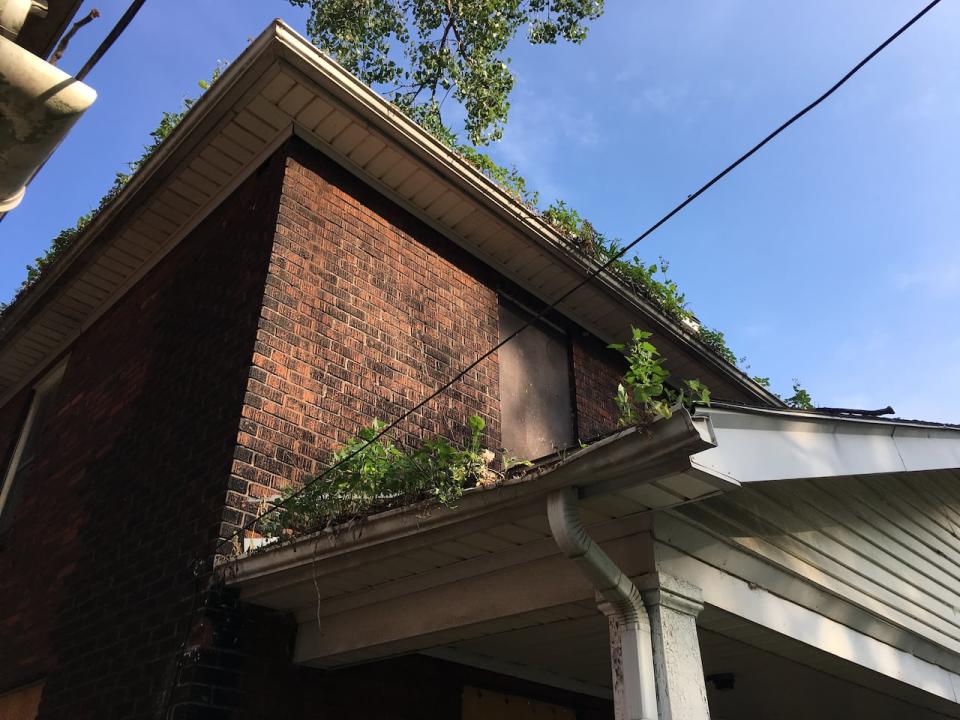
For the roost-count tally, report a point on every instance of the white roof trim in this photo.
(279, 87)
(759, 445)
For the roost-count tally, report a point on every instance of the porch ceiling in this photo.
(775, 676)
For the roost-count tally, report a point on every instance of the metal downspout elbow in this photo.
(637, 697)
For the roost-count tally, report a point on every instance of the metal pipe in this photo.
(14, 13)
(635, 690)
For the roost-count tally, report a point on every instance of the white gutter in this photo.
(634, 684)
(760, 444)
(14, 13)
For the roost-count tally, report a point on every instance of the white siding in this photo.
(888, 544)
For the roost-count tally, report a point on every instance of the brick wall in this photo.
(366, 311)
(597, 371)
(306, 306)
(95, 572)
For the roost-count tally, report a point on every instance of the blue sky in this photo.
(833, 256)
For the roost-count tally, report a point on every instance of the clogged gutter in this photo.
(371, 474)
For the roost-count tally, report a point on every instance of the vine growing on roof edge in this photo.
(66, 237)
(649, 279)
(645, 393)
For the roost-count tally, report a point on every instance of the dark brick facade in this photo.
(304, 307)
(95, 572)
(597, 371)
(366, 312)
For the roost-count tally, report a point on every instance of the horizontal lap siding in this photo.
(887, 544)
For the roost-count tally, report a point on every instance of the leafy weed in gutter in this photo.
(801, 398)
(370, 476)
(645, 395)
(68, 236)
(649, 280)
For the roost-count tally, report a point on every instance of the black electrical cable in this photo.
(110, 38)
(597, 271)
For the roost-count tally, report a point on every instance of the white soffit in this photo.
(756, 445)
(282, 86)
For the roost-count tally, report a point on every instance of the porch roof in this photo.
(621, 476)
(420, 578)
(756, 444)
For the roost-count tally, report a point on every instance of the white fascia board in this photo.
(754, 446)
(630, 457)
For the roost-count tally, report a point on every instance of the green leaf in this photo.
(419, 52)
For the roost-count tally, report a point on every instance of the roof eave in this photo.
(392, 121)
(150, 172)
(762, 444)
(279, 42)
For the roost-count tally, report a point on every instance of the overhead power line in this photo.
(111, 38)
(596, 271)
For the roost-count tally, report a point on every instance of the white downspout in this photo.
(635, 692)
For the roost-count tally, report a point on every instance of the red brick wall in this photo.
(366, 311)
(597, 371)
(272, 333)
(95, 573)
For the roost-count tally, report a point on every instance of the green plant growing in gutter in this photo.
(66, 237)
(371, 474)
(800, 399)
(644, 394)
(428, 117)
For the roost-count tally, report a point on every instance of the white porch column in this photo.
(631, 653)
(673, 606)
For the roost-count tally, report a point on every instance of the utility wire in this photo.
(111, 38)
(596, 272)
